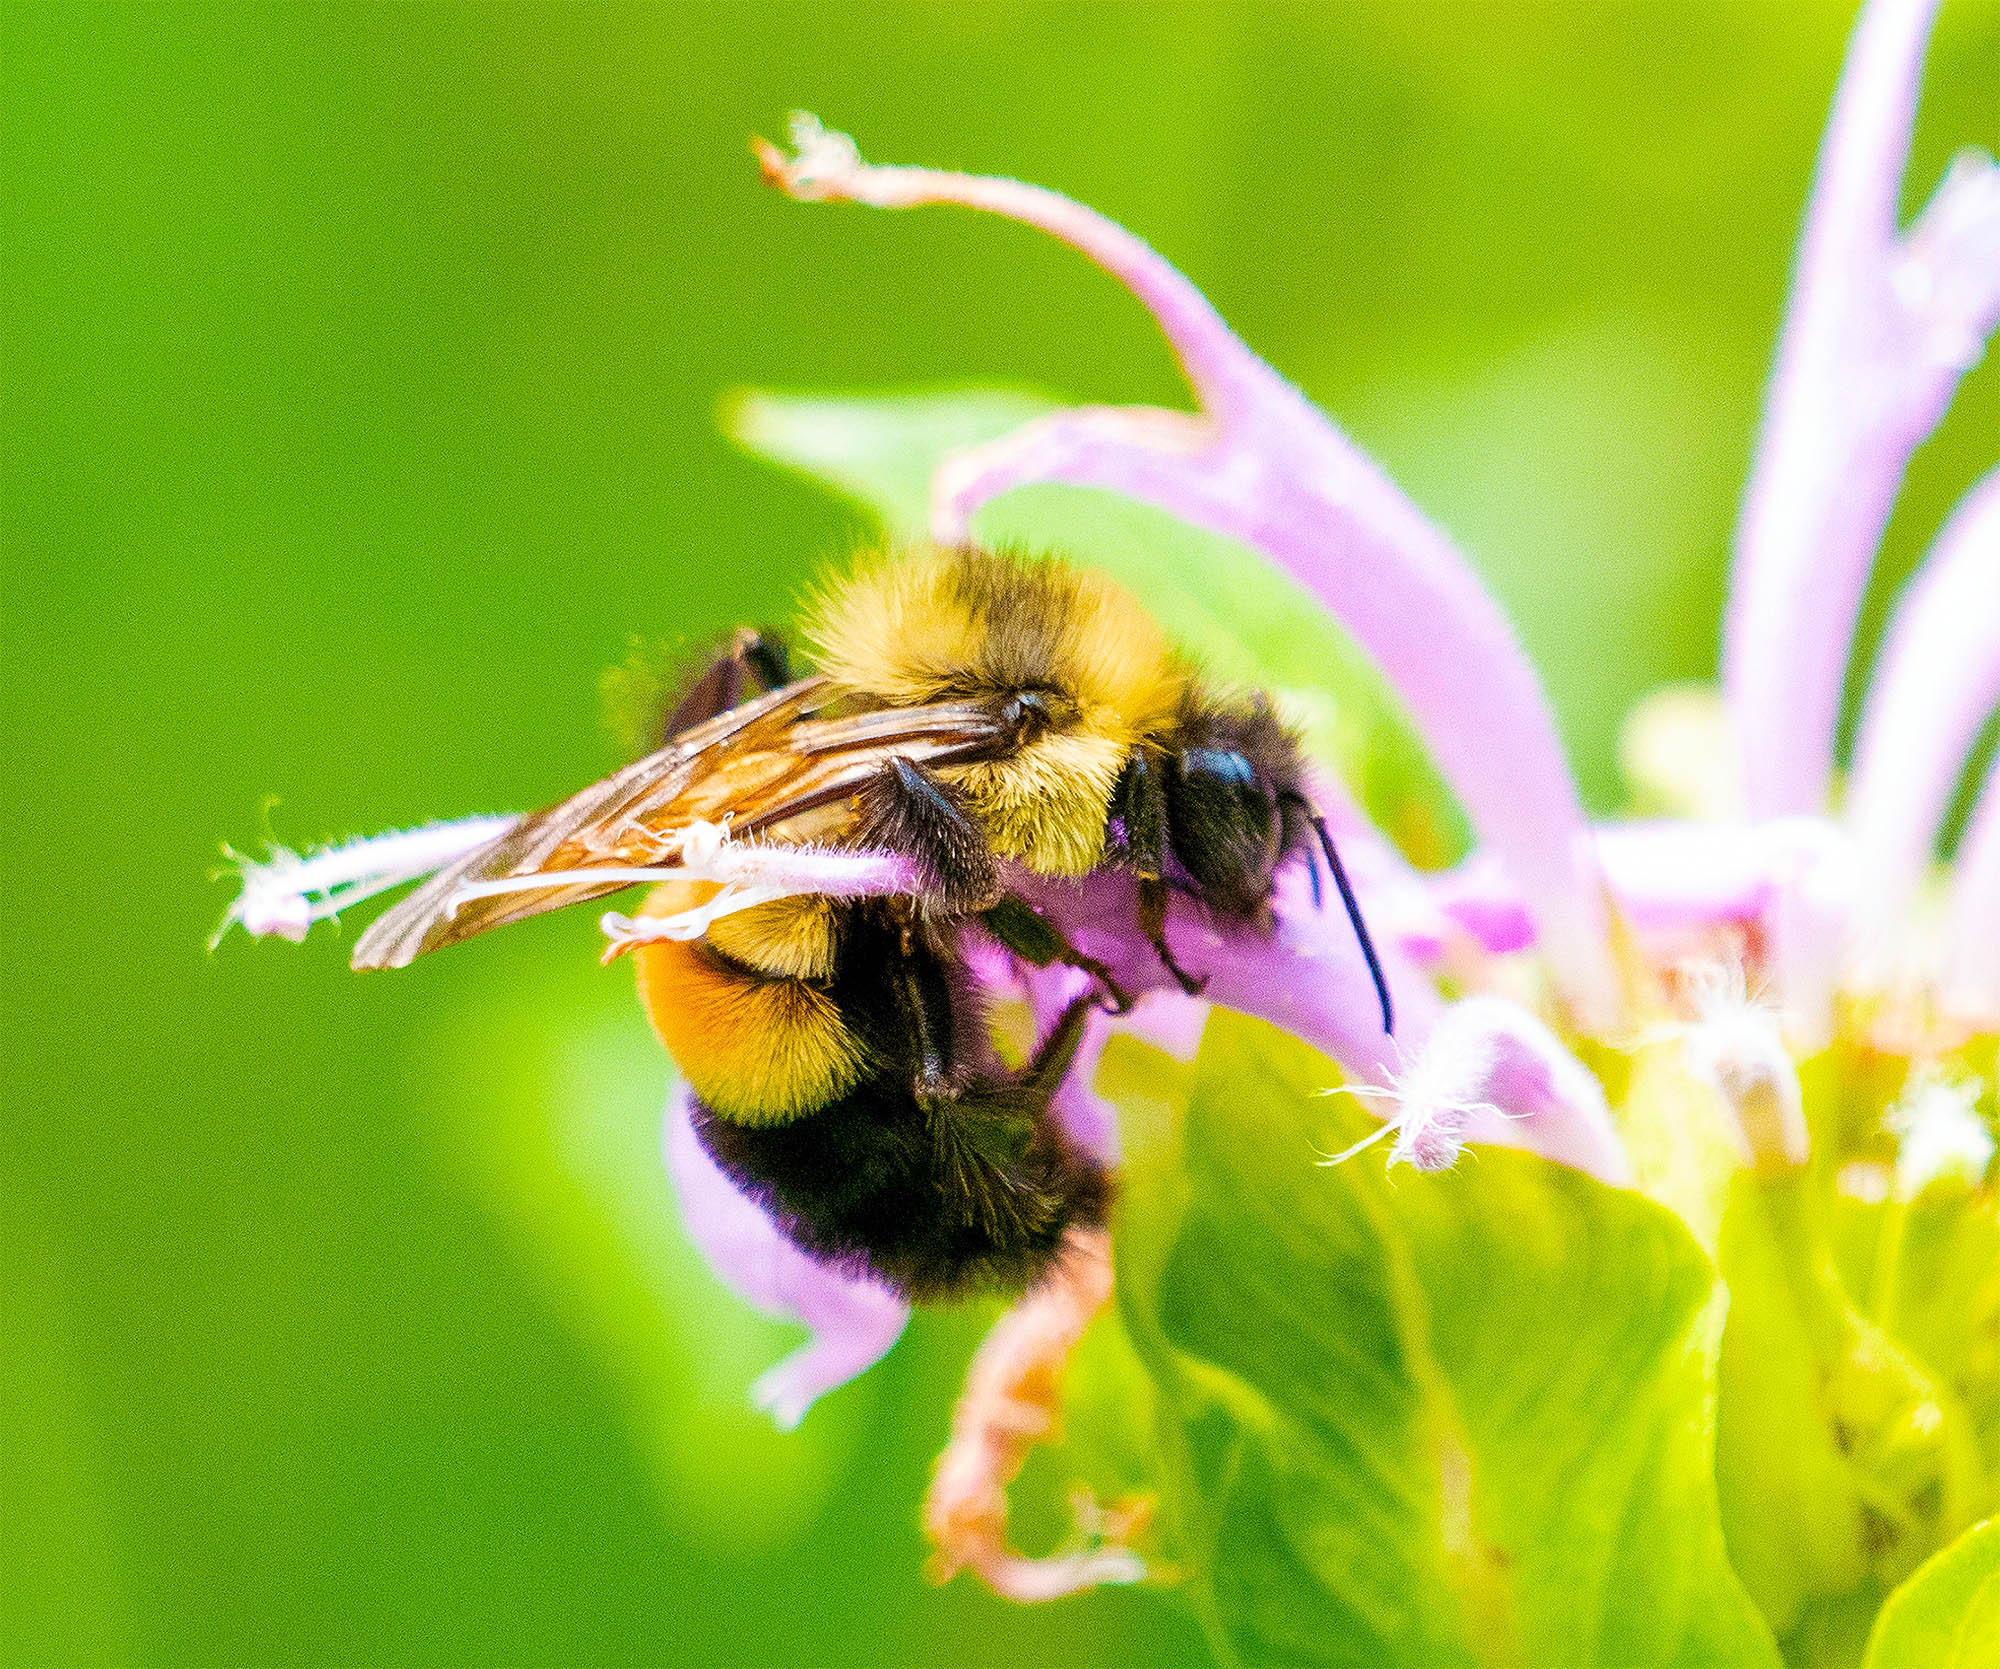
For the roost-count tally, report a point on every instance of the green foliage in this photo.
(1947, 1616)
(1458, 1419)
(1250, 625)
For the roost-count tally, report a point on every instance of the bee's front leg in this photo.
(1136, 841)
(1031, 936)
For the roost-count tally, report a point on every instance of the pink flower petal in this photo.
(1972, 981)
(1308, 976)
(1262, 465)
(1879, 332)
(854, 1321)
(1936, 681)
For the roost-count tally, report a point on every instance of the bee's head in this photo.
(1230, 784)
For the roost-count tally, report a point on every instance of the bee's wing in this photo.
(756, 766)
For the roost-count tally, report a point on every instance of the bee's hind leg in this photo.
(753, 659)
(908, 809)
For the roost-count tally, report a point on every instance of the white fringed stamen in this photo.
(286, 893)
(1939, 1134)
(1436, 1100)
(1491, 1072)
(1734, 1043)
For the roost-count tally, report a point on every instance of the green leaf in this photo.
(1247, 622)
(1947, 1616)
(1460, 1419)
(1842, 1460)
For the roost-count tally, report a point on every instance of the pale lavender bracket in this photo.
(1666, 876)
(1262, 465)
(1972, 977)
(854, 1321)
(1936, 681)
(1879, 332)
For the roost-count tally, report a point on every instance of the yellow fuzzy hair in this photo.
(793, 937)
(937, 625)
(757, 1050)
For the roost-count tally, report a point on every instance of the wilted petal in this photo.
(1878, 334)
(854, 1321)
(1262, 465)
(1937, 680)
(1012, 1401)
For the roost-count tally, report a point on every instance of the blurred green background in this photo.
(362, 365)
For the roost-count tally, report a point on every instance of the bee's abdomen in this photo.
(757, 1048)
(872, 1183)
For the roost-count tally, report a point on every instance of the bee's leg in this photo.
(1039, 942)
(753, 658)
(908, 809)
(1044, 1073)
(1153, 923)
(1135, 834)
(1295, 805)
(925, 1001)
(1135, 839)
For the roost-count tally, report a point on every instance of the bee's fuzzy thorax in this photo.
(923, 626)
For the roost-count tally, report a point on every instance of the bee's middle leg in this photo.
(1036, 940)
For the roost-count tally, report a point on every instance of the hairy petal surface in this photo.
(1261, 464)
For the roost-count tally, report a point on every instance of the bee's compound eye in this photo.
(1225, 823)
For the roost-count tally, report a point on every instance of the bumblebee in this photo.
(981, 714)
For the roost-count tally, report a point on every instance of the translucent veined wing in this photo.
(756, 768)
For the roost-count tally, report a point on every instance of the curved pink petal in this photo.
(1307, 976)
(1665, 876)
(1936, 681)
(1879, 332)
(854, 1321)
(1262, 465)
(1972, 978)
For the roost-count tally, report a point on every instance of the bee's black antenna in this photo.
(1354, 916)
